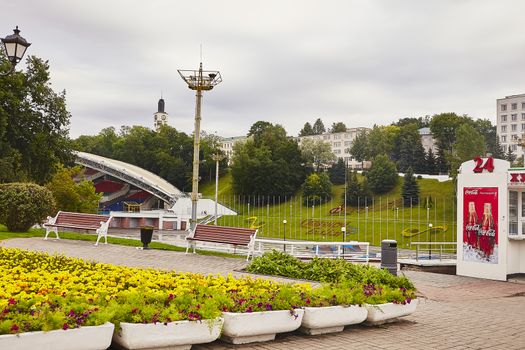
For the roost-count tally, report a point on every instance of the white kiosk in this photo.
(490, 219)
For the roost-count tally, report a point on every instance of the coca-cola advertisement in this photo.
(480, 224)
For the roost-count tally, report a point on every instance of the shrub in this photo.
(382, 176)
(317, 188)
(23, 205)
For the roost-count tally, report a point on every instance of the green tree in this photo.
(430, 161)
(317, 188)
(510, 156)
(359, 148)
(493, 146)
(318, 127)
(78, 197)
(410, 189)
(33, 124)
(382, 176)
(382, 140)
(443, 127)
(317, 152)
(270, 164)
(337, 172)
(469, 144)
(353, 190)
(24, 205)
(409, 148)
(307, 130)
(338, 127)
(420, 122)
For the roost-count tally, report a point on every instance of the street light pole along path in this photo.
(199, 81)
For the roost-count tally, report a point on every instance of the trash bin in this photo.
(389, 255)
(146, 233)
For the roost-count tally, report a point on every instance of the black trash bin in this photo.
(146, 234)
(389, 255)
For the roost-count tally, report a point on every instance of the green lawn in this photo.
(5, 234)
(385, 218)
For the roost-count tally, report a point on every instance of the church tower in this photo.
(160, 117)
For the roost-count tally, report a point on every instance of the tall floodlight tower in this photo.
(199, 81)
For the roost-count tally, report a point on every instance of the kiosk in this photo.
(490, 219)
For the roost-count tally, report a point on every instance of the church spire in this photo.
(161, 105)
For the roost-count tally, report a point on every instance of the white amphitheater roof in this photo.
(132, 174)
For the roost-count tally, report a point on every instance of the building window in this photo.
(337, 151)
(347, 143)
(337, 137)
(513, 127)
(514, 106)
(346, 136)
(523, 105)
(514, 147)
(326, 137)
(514, 117)
(504, 118)
(337, 144)
(503, 128)
(522, 127)
(503, 107)
(514, 137)
(503, 138)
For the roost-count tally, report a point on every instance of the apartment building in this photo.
(511, 122)
(341, 143)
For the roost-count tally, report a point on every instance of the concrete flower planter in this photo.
(175, 335)
(83, 338)
(385, 313)
(331, 319)
(242, 328)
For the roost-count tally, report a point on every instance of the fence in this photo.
(429, 219)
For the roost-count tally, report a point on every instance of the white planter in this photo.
(331, 319)
(174, 335)
(385, 313)
(242, 328)
(83, 338)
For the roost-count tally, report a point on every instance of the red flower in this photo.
(12, 301)
(65, 327)
(14, 328)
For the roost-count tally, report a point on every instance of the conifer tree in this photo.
(410, 190)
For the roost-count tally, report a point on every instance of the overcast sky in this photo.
(288, 62)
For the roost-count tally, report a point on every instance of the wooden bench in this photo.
(79, 221)
(222, 234)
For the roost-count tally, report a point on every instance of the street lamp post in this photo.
(15, 46)
(217, 157)
(199, 81)
(430, 245)
(284, 235)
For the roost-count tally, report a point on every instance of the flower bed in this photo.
(39, 292)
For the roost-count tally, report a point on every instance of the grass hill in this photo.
(384, 218)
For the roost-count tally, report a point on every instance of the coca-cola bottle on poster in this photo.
(488, 237)
(472, 226)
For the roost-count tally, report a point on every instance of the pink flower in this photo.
(14, 328)
(65, 327)
(12, 301)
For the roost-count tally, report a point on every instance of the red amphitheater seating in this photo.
(108, 186)
(140, 195)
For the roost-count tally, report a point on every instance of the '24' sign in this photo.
(480, 166)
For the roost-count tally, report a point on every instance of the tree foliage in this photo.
(338, 127)
(167, 153)
(33, 124)
(73, 196)
(469, 144)
(409, 149)
(430, 163)
(359, 148)
(317, 188)
(317, 152)
(410, 189)
(337, 172)
(319, 127)
(382, 176)
(24, 205)
(268, 164)
(307, 130)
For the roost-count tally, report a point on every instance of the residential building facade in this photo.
(428, 141)
(341, 143)
(228, 143)
(511, 122)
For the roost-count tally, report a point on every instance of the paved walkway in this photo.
(454, 312)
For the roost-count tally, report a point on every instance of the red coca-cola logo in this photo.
(474, 192)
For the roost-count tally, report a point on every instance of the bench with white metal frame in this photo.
(78, 221)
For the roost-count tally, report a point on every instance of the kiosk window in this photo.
(513, 212)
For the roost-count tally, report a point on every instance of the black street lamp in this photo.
(15, 46)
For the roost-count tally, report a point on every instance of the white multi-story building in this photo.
(227, 144)
(427, 140)
(511, 122)
(341, 143)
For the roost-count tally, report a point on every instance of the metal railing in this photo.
(351, 250)
(447, 250)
